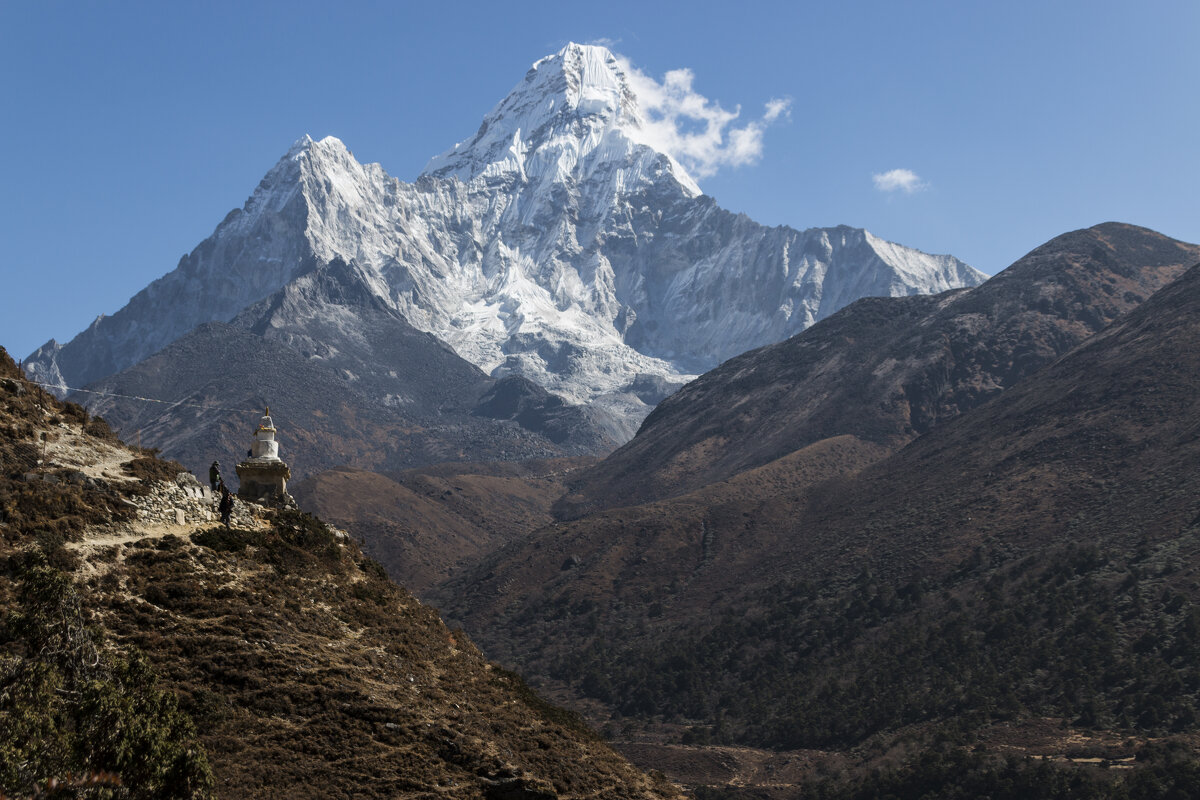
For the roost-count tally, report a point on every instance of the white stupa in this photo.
(265, 447)
(263, 477)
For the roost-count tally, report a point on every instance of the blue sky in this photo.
(131, 129)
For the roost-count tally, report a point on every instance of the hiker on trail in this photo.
(226, 507)
(214, 474)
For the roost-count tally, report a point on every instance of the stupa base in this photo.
(264, 482)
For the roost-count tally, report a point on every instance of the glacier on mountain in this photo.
(555, 243)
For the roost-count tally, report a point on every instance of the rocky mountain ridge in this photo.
(385, 397)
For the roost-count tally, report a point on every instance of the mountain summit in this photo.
(574, 114)
(556, 244)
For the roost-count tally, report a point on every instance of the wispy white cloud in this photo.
(695, 130)
(776, 107)
(898, 180)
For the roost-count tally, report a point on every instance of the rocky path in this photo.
(171, 508)
(68, 447)
(108, 537)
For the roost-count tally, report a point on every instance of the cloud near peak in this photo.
(696, 131)
(898, 180)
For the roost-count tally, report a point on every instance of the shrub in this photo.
(150, 468)
(69, 706)
(227, 540)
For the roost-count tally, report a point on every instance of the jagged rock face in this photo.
(555, 244)
(574, 117)
(255, 250)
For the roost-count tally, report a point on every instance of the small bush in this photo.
(99, 428)
(303, 542)
(374, 569)
(227, 540)
(303, 530)
(152, 468)
(73, 412)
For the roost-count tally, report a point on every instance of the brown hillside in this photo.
(886, 369)
(680, 555)
(1033, 563)
(269, 660)
(1101, 447)
(426, 524)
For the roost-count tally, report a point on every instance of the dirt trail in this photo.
(91, 550)
(106, 537)
(169, 510)
(68, 446)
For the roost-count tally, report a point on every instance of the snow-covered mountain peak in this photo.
(299, 146)
(559, 243)
(320, 170)
(305, 155)
(574, 115)
(320, 154)
(330, 145)
(589, 81)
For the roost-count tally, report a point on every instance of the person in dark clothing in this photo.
(226, 506)
(214, 474)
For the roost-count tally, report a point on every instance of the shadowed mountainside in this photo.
(1034, 561)
(1037, 557)
(885, 369)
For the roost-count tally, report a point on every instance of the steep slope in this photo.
(1035, 557)
(556, 244)
(1030, 564)
(145, 650)
(1099, 449)
(424, 525)
(213, 282)
(886, 370)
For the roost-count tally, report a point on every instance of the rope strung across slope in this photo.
(206, 406)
